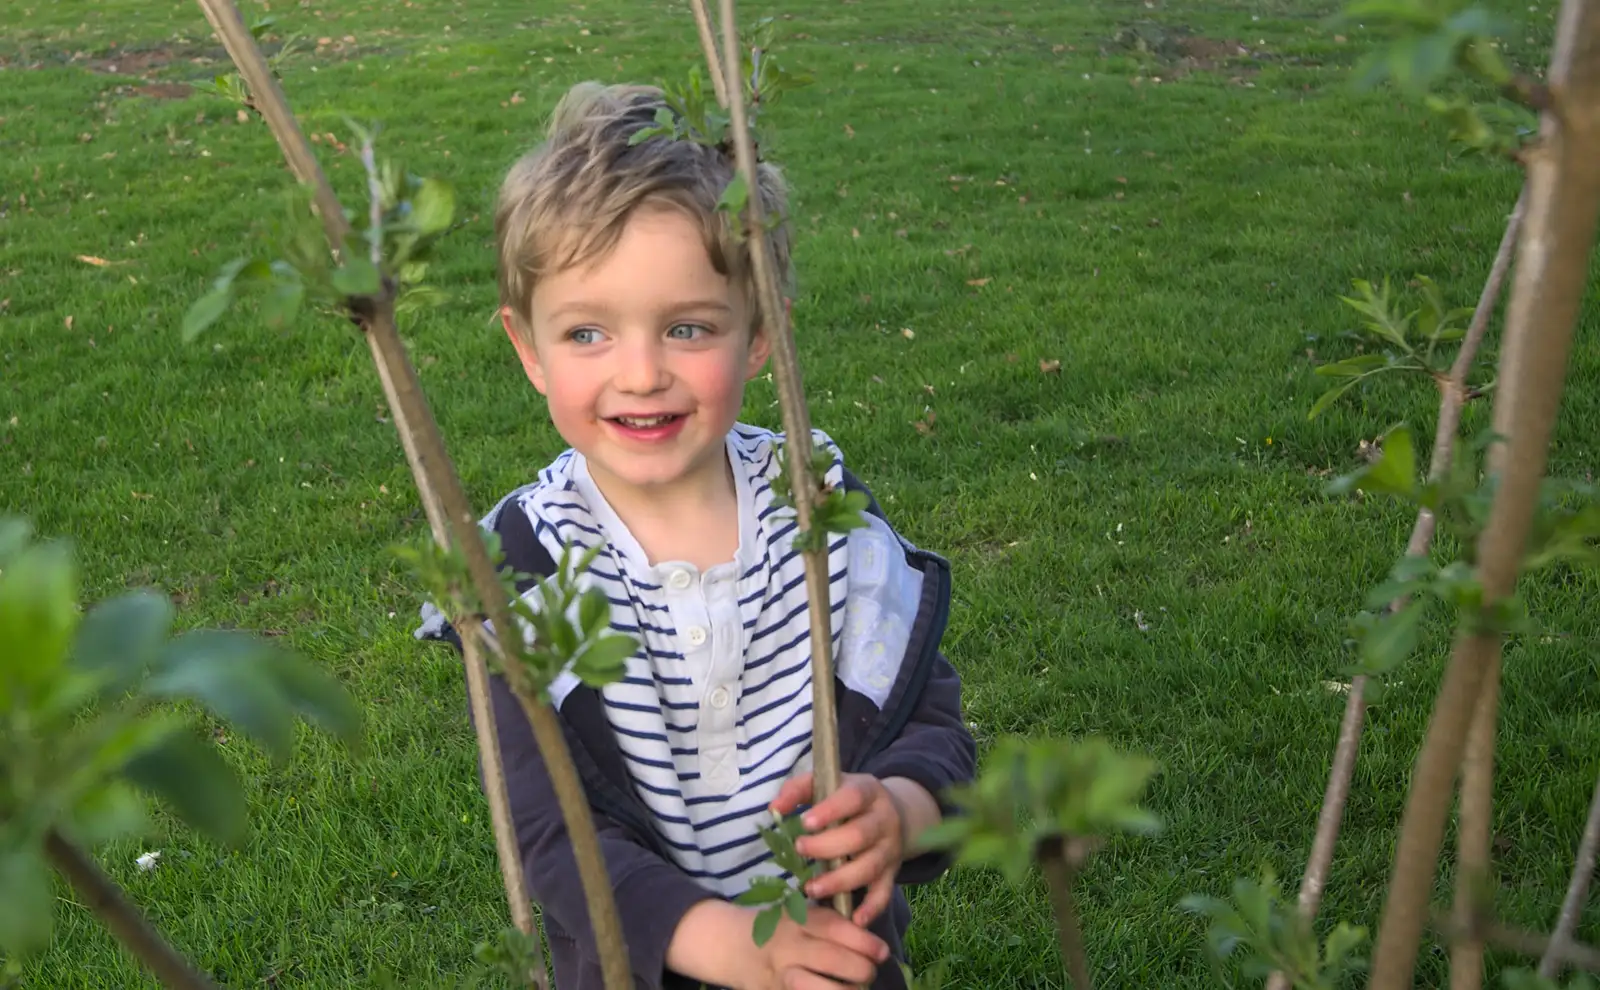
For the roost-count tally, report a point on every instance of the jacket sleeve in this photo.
(651, 894)
(936, 750)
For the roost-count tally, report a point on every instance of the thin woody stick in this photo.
(102, 896)
(1551, 278)
(1577, 892)
(1474, 829)
(1452, 399)
(708, 44)
(449, 513)
(797, 431)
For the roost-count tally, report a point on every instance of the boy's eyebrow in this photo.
(587, 307)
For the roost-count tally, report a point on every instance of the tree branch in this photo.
(1487, 930)
(1055, 861)
(1550, 280)
(1453, 395)
(797, 434)
(1475, 831)
(106, 900)
(1577, 891)
(708, 46)
(449, 513)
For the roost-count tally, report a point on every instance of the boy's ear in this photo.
(761, 345)
(531, 365)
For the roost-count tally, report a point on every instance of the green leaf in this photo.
(205, 311)
(763, 890)
(735, 196)
(766, 924)
(1396, 470)
(15, 533)
(1353, 367)
(1392, 638)
(282, 302)
(28, 906)
(1329, 397)
(358, 277)
(594, 613)
(107, 812)
(320, 698)
(433, 207)
(795, 904)
(120, 637)
(192, 778)
(38, 614)
(604, 660)
(227, 672)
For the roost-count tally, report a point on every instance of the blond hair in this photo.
(565, 203)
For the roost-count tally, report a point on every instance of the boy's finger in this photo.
(794, 792)
(854, 875)
(847, 802)
(827, 923)
(840, 842)
(876, 901)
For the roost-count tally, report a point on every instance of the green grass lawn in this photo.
(1141, 544)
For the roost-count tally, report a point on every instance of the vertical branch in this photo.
(1475, 832)
(708, 45)
(1577, 892)
(1058, 876)
(450, 514)
(435, 461)
(1550, 280)
(274, 108)
(105, 899)
(797, 431)
(1452, 399)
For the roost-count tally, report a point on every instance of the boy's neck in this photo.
(696, 520)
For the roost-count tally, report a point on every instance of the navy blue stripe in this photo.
(733, 816)
(582, 527)
(757, 740)
(748, 864)
(769, 706)
(752, 768)
(638, 733)
(757, 689)
(778, 651)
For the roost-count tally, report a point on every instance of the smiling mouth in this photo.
(646, 422)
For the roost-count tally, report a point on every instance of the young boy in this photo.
(633, 311)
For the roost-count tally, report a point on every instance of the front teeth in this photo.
(643, 424)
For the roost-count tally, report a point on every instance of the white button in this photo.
(719, 697)
(697, 635)
(679, 580)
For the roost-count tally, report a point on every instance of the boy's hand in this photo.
(862, 822)
(826, 953)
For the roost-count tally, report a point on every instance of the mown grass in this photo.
(1141, 541)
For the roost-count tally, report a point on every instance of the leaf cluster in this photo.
(1032, 791)
(86, 730)
(783, 894)
(389, 251)
(567, 626)
(1410, 340)
(1435, 38)
(833, 510)
(1565, 531)
(1263, 935)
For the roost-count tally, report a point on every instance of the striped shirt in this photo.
(713, 713)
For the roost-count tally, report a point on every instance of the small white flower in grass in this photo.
(148, 861)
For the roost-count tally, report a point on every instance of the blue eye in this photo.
(584, 335)
(685, 331)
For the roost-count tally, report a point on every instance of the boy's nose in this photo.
(641, 370)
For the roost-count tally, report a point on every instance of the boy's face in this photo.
(643, 356)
